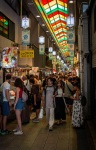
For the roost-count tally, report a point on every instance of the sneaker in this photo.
(35, 120)
(18, 132)
(15, 130)
(50, 128)
(6, 132)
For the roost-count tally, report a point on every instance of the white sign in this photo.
(50, 49)
(25, 22)
(25, 37)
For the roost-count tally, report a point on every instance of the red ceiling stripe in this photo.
(56, 13)
(44, 2)
(59, 28)
(60, 33)
(59, 21)
(65, 1)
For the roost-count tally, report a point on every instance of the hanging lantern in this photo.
(50, 50)
(70, 21)
(41, 40)
(54, 53)
(57, 56)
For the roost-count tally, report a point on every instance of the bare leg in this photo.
(37, 113)
(4, 122)
(0, 122)
(18, 116)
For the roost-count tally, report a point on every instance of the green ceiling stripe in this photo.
(57, 9)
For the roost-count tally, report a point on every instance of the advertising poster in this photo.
(9, 57)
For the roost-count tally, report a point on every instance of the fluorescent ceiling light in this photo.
(43, 24)
(71, 1)
(37, 16)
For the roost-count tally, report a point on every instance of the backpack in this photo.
(83, 100)
(25, 94)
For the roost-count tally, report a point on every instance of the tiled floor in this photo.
(37, 137)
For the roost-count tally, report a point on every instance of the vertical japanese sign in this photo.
(41, 49)
(25, 37)
(50, 56)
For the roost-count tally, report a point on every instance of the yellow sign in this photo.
(26, 53)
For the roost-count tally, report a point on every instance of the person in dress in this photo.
(77, 113)
(18, 105)
(60, 114)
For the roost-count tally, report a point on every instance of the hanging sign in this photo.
(25, 37)
(26, 53)
(71, 53)
(50, 56)
(70, 36)
(25, 22)
(71, 47)
(54, 60)
(41, 49)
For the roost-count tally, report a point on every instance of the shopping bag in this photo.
(66, 105)
(41, 113)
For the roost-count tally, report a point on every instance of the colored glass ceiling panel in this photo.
(55, 13)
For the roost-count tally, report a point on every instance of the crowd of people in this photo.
(58, 94)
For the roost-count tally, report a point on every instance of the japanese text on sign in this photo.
(26, 53)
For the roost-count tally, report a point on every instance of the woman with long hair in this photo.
(60, 114)
(18, 105)
(77, 113)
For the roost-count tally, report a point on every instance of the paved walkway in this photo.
(37, 137)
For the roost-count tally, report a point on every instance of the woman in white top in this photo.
(60, 114)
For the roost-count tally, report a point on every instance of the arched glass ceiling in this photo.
(55, 13)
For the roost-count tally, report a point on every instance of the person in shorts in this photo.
(18, 105)
(36, 99)
(5, 105)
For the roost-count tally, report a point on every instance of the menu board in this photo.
(9, 57)
(4, 23)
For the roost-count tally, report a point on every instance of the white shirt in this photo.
(27, 84)
(49, 97)
(5, 86)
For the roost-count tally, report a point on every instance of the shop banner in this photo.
(71, 47)
(26, 53)
(25, 37)
(54, 60)
(50, 56)
(70, 36)
(71, 53)
(41, 49)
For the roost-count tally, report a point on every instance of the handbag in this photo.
(24, 97)
(41, 113)
(83, 100)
